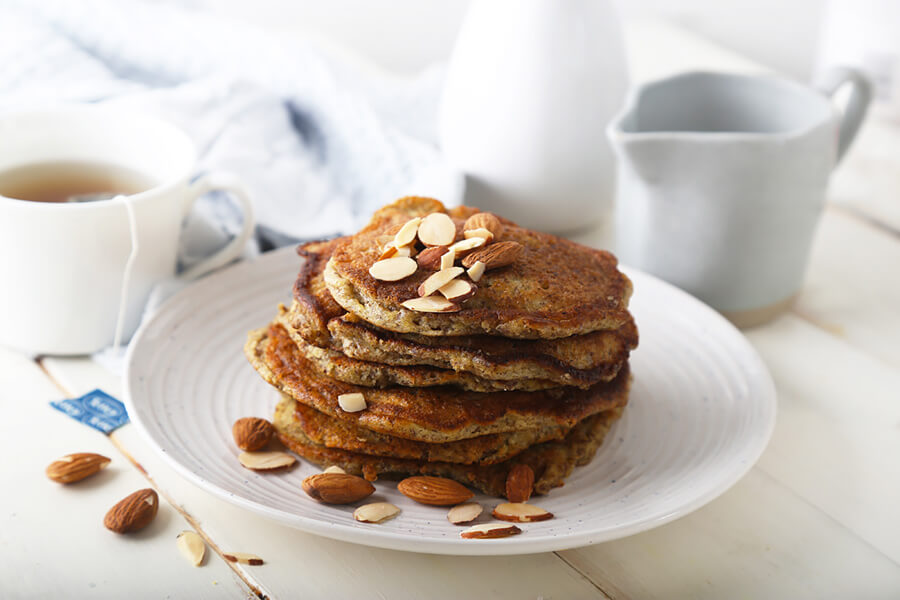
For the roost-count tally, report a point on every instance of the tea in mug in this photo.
(71, 181)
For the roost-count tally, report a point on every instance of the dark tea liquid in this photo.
(71, 181)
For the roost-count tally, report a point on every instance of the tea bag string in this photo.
(126, 275)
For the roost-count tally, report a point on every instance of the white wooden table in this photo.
(818, 517)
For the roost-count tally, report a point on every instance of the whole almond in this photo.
(436, 491)
(133, 512)
(519, 482)
(252, 433)
(464, 513)
(487, 221)
(490, 531)
(494, 256)
(337, 488)
(520, 512)
(75, 467)
(430, 258)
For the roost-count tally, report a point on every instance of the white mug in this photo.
(75, 275)
(722, 179)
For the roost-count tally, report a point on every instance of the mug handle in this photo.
(853, 114)
(227, 183)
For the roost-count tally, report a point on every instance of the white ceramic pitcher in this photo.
(722, 180)
(530, 88)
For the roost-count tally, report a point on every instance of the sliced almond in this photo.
(438, 280)
(482, 233)
(464, 513)
(266, 461)
(389, 251)
(447, 259)
(191, 546)
(520, 512)
(407, 233)
(377, 512)
(437, 229)
(433, 304)
(354, 402)
(458, 290)
(393, 269)
(334, 469)
(463, 246)
(243, 557)
(476, 271)
(490, 531)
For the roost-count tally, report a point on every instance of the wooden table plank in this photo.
(852, 287)
(759, 540)
(53, 539)
(304, 565)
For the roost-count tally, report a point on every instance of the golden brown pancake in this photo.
(551, 462)
(556, 288)
(338, 366)
(344, 435)
(581, 360)
(439, 414)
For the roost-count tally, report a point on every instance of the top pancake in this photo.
(556, 288)
(580, 361)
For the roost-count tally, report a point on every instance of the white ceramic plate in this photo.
(701, 412)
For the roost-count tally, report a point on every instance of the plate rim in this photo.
(396, 541)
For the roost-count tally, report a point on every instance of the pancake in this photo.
(581, 360)
(338, 366)
(551, 462)
(301, 420)
(438, 414)
(556, 288)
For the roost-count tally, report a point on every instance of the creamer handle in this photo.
(852, 115)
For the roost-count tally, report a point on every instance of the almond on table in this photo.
(75, 467)
(133, 512)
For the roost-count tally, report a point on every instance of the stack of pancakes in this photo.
(532, 369)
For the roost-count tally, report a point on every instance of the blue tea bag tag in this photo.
(96, 409)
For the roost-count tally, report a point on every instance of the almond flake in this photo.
(464, 513)
(467, 245)
(458, 290)
(243, 557)
(432, 304)
(489, 531)
(447, 259)
(354, 402)
(437, 229)
(476, 271)
(438, 280)
(521, 512)
(483, 233)
(377, 512)
(334, 469)
(266, 461)
(393, 269)
(407, 233)
(191, 546)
